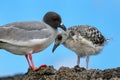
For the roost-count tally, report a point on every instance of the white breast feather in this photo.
(29, 43)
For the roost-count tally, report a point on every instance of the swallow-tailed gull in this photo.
(26, 38)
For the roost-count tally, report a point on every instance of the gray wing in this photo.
(33, 25)
(88, 32)
(24, 31)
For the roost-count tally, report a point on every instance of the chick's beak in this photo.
(55, 46)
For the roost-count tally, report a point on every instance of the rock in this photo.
(66, 73)
(15, 77)
(42, 74)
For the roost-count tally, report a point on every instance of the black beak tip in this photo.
(63, 27)
(53, 50)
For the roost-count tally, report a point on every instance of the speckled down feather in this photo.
(89, 32)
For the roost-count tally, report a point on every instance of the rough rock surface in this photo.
(66, 73)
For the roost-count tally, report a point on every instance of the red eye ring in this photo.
(55, 18)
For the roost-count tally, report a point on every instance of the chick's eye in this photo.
(59, 37)
(72, 33)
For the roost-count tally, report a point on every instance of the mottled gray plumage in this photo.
(88, 32)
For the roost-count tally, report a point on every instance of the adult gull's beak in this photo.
(63, 26)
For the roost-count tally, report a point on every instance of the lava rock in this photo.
(66, 73)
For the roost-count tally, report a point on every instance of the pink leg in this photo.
(87, 61)
(28, 61)
(43, 66)
(33, 67)
(32, 63)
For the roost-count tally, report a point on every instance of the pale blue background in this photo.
(104, 14)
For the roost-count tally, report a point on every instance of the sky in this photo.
(103, 14)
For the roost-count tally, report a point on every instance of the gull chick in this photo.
(84, 40)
